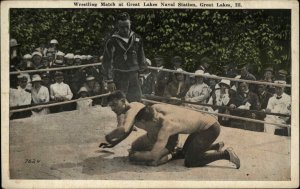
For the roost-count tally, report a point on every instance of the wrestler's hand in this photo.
(105, 145)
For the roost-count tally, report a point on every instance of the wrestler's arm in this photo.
(122, 131)
(158, 151)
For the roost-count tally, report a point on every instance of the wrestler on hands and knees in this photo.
(163, 123)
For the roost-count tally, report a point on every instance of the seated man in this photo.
(163, 123)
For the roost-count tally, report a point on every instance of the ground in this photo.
(65, 146)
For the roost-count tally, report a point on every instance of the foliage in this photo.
(257, 37)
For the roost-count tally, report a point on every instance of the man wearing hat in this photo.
(147, 80)
(46, 80)
(40, 95)
(279, 103)
(15, 60)
(27, 62)
(198, 92)
(59, 60)
(246, 75)
(221, 97)
(77, 60)
(93, 88)
(177, 88)
(177, 62)
(162, 78)
(123, 58)
(269, 77)
(60, 91)
(20, 97)
(244, 100)
(53, 45)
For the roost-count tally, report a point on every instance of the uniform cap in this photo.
(69, 56)
(199, 72)
(22, 77)
(269, 69)
(27, 56)
(83, 57)
(77, 56)
(282, 72)
(45, 75)
(89, 57)
(90, 78)
(59, 53)
(53, 41)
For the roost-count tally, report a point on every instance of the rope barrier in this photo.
(55, 69)
(213, 106)
(57, 103)
(218, 77)
(145, 100)
(224, 115)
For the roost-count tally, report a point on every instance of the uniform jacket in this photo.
(122, 56)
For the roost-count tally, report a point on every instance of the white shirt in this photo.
(282, 105)
(60, 90)
(197, 93)
(19, 97)
(40, 96)
(84, 104)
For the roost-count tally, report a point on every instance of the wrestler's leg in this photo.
(198, 144)
(143, 143)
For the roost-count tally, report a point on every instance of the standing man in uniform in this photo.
(123, 59)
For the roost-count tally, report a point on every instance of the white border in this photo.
(270, 4)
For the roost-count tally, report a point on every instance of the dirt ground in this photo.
(65, 146)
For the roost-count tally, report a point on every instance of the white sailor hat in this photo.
(59, 53)
(77, 57)
(83, 57)
(37, 53)
(27, 56)
(69, 56)
(53, 41)
(89, 57)
(13, 43)
(90, 78)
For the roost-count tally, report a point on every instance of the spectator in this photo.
(199, 92)
(22, 67)
(205, 62)
(45, 62)
(269, 77)
(59, 92)
(147, 80)
(123, 58)
(282, 75)
(176, 62)
(84, 59)
(162, 78)
(46, 80)
(93, 88)
(20, 97)
(51, 57)
(245, 74)
(221, 97)
(89, 59)
(59, 61)
(37, 60)
(15, 60)
(177, 88)
(229, 70)
(27, 62)
(263, 98)
(42, 48)
(53, 46)
(279, 103)
(77, 60)
(243, 100)
(40, 94)
(69, 59)
(83, 104)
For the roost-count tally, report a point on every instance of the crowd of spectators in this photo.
(198, 92)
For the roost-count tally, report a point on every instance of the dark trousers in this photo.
(197, 145)
(128, 82)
